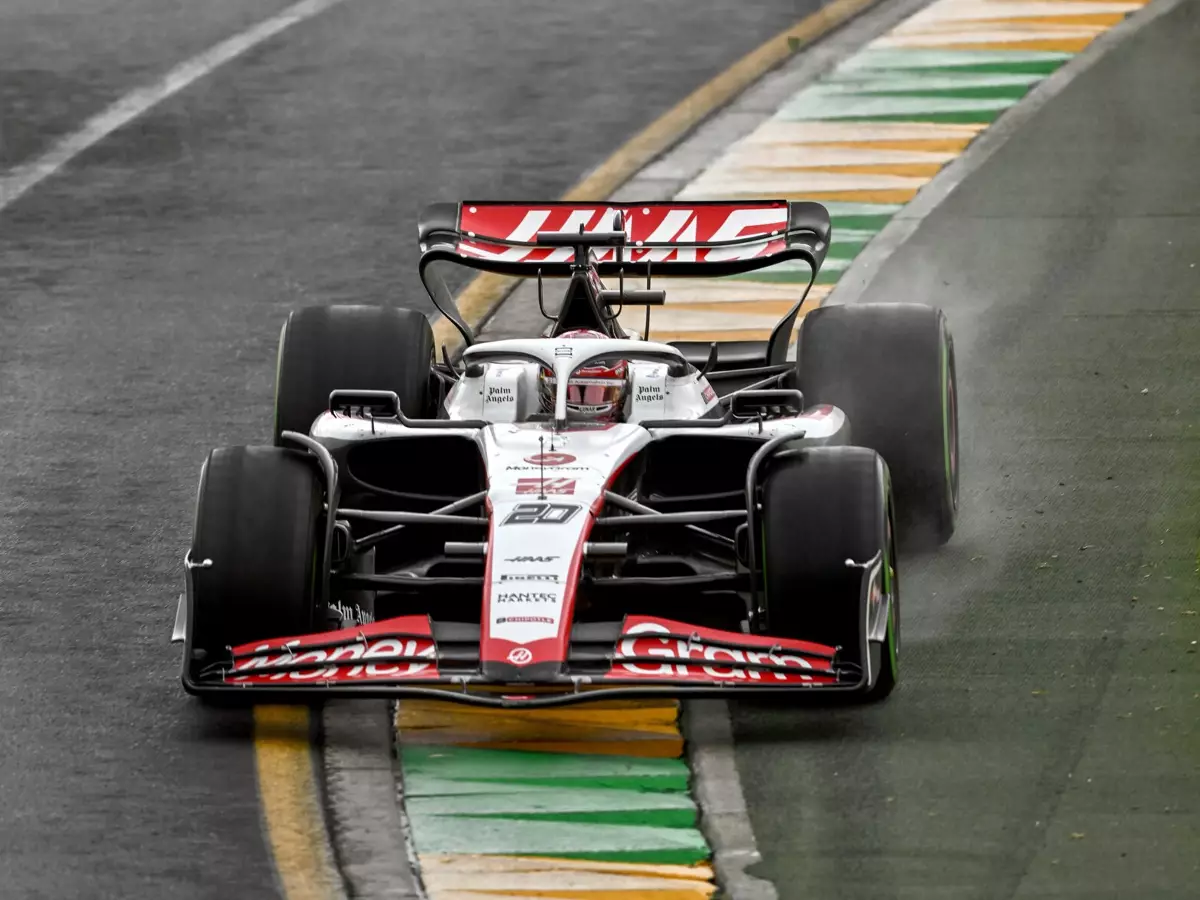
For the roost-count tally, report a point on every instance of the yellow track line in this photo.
(293, 823)
(485, 292)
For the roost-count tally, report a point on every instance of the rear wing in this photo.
(703, 238)
(699, 238)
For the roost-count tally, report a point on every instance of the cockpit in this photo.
(582, 377)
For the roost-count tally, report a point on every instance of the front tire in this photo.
(324, 348)
(257, 520)
(890, 368)
(822, 506)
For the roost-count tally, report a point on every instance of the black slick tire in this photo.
(822, 506)
(890, 368)
(324, 348)
(257, 520)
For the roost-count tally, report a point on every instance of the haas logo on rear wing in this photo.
(680, 231)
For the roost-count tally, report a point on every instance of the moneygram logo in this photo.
(687, 659)
(382, 658)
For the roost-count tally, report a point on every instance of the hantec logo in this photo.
(527, 597)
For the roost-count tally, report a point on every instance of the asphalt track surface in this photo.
(1045, 740)
(141, 293)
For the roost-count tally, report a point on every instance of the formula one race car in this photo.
(583, 514)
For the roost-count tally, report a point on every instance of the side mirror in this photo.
(379, 404)
(766, 403)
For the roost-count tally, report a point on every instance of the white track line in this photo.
(23, 178)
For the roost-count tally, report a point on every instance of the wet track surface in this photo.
(64, 60)
(1044, 742)
(141, 292)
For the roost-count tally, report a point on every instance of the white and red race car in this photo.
(582, 514)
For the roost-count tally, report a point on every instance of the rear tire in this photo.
(822, 506)
(257, 519)
(324, 348)
(890, 368)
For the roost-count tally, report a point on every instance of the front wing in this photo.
(413, 656)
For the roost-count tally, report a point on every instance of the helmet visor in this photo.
(594, 392)
(587, 396)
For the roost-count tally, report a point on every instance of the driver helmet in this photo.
(594, 393)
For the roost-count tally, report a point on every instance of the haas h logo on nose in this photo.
(520, 656)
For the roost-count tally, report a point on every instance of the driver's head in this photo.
(596, 393)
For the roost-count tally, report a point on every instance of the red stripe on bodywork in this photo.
(486, 641)
(573, 571)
